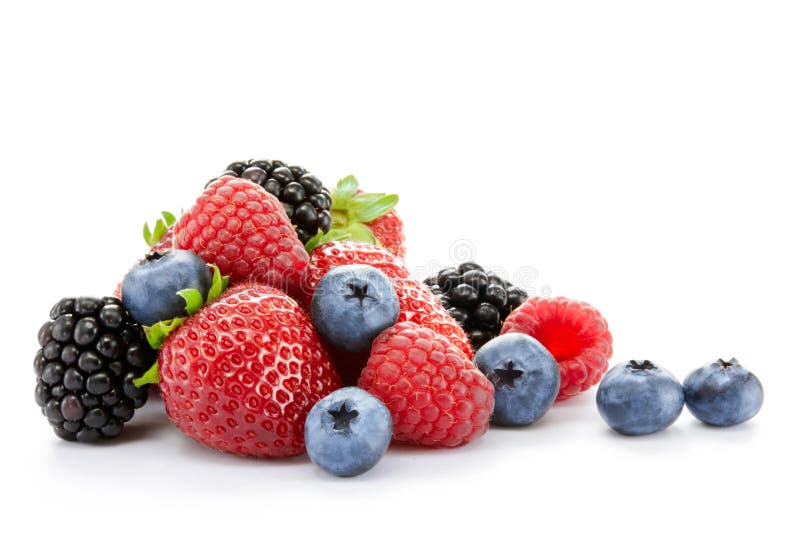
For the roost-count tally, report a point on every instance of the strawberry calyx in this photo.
(158, 333)
(159, 229)
(352, 209)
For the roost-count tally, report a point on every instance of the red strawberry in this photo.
(388, 230)
(242, 373)
(419, 305)
(437, 397)
(333, 254)
(575, 334)
(244, 230)
(367, 217)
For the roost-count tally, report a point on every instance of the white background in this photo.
(641, 156)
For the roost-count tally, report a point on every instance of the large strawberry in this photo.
(419, 305)
(242, 372)
(244, 230)
(367, 217)
(436, 396)
(335, 253)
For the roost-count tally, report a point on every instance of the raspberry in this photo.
(243, 230)
(437, 397)
(574, 333)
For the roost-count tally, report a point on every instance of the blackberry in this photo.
(478, 299)
(90, 352)
(306, 201)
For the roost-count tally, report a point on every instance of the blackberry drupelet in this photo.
(478, 299)
(306, 201)
(90, 352)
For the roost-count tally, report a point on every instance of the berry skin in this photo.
(242, 373)
(575, 334)
(388, 230)
(352, 305)
(723, 393)
(150, 289)
(479, 300)
(348, 432)
(91, 350)
(242, 229)
(334, 254)
(418, 305)
(303, 197)
(639, 397)
(525, 377)
(436, 396)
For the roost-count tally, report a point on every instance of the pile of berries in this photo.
(278, 317)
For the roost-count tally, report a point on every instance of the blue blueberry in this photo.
(348, 432)
(150, 289)
(723, 393)
(639, 397)
(352, 305)
(525, 378)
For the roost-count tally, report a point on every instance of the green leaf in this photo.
(193, 298)
(361, 232)
(149, 377)
(322, 238)
(345, 189)
(147, 234)
(168, 218)
(159, 229)
(157, 333)
(218, 284)
(369, 210)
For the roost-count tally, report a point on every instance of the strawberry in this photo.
(244, 230)
(436, 396)
(419, 305)
(367, 217)
(332, 254)
(242, 372)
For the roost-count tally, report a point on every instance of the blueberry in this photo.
(639, 397)
(348, 432)
(723, 393)
(352, 305)
(525, 376)
(150, 289)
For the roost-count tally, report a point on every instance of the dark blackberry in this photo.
(306, 201)
(90, 352)
(479, 300)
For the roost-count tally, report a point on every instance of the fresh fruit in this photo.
(478, 299)
(159, 239)
(638, 397)
(575, 334)
(238, 226)
(241, 373)
(303, 197)
(525, 377)
(91, 351)
(335, 253)
(723, 393)
(348, 432)
(352, 305)
(418, 305)
(367, 217)
(151, 290)
(436, 396)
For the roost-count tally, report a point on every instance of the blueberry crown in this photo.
(641, 365)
